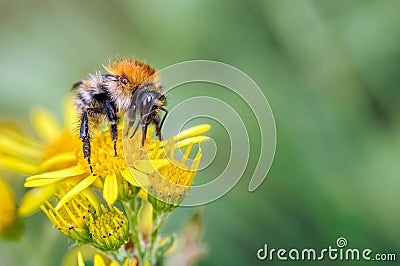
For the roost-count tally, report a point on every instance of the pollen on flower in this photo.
(103, 159)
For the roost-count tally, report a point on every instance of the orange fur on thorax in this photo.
(135, 71)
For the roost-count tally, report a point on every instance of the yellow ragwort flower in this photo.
(169, 178)
(58, 159)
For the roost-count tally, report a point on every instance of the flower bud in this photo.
(109, 229)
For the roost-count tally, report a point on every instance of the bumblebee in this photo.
(130, 87)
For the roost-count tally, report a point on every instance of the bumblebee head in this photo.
(149, 99)
(147, 102)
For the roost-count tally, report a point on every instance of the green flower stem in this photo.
(132, 208)
(159, 219)
(146, 251)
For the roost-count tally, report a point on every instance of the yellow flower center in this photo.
(103, 160)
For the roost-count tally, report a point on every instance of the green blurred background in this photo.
(330, 70)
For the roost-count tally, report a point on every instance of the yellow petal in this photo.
(142, 194)
(170, 146)
(34, 198)
(149, 166)
(145, 219)
(92, 198)
(14, 132)
(14, 144)
(45, 125)
(132, 263)
(19, 165)
(8, 206)
(98, 184)
(59, 159)
(87, 252)
(6, 125)
(53, 176)
(187, 153)
(114, 263)
(85, 183)
(187, 133)
(98, 260)
(128, 177)
(110, 190)
(135, 177)
(196, 161)
(193, 131)
(191, 141)
(81, 262)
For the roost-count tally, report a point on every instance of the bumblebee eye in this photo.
(123, 80)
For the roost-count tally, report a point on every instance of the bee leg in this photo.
(114, 135)
(85, 137)
(112, 117)
(144, 133)
(158, 128)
